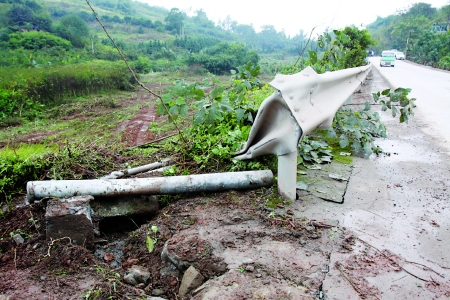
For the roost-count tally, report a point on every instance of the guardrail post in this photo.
(287, 175)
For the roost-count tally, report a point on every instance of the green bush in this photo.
(224, 57)
(37, 40)
(444, 63)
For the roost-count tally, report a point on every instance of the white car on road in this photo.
(400, 56)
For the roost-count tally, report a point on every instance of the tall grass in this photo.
(27, 88)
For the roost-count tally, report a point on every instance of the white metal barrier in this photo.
(302, 103)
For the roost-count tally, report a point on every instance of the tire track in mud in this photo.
(136, 130)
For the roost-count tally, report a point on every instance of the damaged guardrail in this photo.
(149, 186)
(302, 103)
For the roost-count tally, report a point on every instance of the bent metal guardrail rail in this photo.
(302, 103)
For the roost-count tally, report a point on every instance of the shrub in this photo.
(37, 40)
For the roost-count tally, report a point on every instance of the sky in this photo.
(294, 15)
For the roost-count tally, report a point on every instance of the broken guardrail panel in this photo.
(216, 182)
(302, 103)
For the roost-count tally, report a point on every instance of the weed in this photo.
(150, 242)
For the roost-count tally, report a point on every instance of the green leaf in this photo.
(343, 141)
(199, 93)
(331, 134)
(217, 92)
(240, 114)
(150, 244)
(376, 96)
(366, 106)
(180, 101)
(386, 92)
(368, 148)
(312, 57)
(167, 98)
(161, 110)
(184, 110)
(174, 110)
(394, 111)
(404, 102)
(200, 117)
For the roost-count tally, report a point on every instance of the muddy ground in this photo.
(337, 241)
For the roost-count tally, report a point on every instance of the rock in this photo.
(155, 298)
(136, 275)
(129, 278)
(18, 239)
(310, 228)
(249, 268)
(70, 217)
(157, 292)
(191, 279)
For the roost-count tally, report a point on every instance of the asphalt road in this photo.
(431, 88)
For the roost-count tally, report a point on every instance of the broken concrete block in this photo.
(70, 217)
(125, 206)
(191, 279)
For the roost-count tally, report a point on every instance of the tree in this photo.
(404, 31)
(74, 29)
(125, 6)
(228, 24)
(422, 9)
(19, 15)
(202, 20)
(174, 20)
(270, 39)
(355, 45)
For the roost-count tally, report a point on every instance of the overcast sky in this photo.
(293, 15)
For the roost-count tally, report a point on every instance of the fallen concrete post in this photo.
(303, 102)
(150, 186)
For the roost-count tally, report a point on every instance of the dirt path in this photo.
(136, 130)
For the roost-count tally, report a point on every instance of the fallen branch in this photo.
(320, 224)
(149, 144)
(52, 241)
(15, 258)
(340, 268)
(426, 268)
(389, 259)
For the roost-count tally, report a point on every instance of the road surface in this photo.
(431, 88)
(397, 203)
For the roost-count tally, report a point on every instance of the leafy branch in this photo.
(391, 100)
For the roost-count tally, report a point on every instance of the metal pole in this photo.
(150, 186)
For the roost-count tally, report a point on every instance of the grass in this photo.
(81, 119)
(25, 151)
